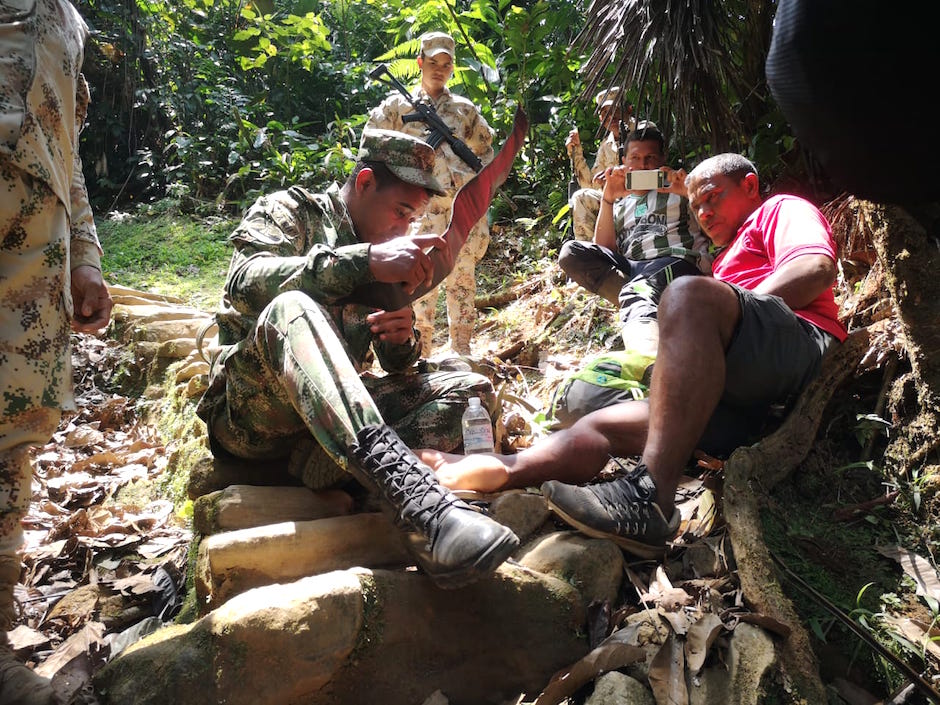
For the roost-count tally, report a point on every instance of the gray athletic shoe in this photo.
(622, 510)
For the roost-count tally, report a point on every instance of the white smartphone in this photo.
(645, 180)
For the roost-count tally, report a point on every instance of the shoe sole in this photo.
(637, 548)
(486, 564)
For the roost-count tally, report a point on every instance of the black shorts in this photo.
(772, 356)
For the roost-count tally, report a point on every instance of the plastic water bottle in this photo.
(477, 429)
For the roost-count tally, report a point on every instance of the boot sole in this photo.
(486, 564)
(637, 548)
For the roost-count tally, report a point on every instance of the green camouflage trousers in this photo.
(460, 285)
(585, 205)
(292, 378)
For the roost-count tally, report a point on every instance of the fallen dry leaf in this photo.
(612, 653)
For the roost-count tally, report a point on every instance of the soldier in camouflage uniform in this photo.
(292, 368)
(436, 62)
(586, 201)
(49, 267)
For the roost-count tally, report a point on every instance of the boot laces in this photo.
(409, 487)
(628, 500)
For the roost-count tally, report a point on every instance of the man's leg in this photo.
(426, 409)
(461, 289)
(36, 370)
(639, 300)
(435, 220)
(18, 684)
(424, 309)
(698, 317)
(297, 373)
(596, 268)
(573, 455)
(585, 205)
(708, 328)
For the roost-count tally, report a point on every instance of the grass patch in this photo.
(169, 254)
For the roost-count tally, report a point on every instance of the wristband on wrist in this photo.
(609, 203)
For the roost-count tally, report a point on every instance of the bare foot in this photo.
(482, 472)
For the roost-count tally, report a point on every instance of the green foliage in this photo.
(216, 101)
(168, 254)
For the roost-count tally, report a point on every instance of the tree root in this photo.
(752, 471)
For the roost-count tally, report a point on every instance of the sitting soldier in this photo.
(293, 349)
(586, 201)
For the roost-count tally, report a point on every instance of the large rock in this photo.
(235, 561)
(247, 506)
(360, 637)
(593, 566)
(737, 680)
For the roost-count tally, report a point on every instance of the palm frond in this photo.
(694, 66)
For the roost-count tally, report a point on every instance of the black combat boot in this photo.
(452, 542)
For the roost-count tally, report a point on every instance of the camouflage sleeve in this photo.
(387, 114)
(481, 140)
(84, 248)
(580, 168)
(270, 256)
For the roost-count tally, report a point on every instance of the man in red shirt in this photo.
(730, 346)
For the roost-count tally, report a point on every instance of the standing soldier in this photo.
(436, 61)
(50, 269)
(586, 201)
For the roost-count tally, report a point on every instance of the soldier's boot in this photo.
(19, 685)
(452, 542)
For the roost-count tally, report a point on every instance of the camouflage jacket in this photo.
(606, 156)
(298, 240)
(43, 104)
(459, 114)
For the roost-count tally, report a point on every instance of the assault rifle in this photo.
(425, 113)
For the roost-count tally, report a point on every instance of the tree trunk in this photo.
(911, 258)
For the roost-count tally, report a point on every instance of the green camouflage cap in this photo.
(407, 157)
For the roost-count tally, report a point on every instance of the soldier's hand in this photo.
(574, 140)
(404, 260)
(91, 299)
(395, 327)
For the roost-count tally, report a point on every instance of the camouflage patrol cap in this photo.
(407, 157)
(434, 43)
(608, 96)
